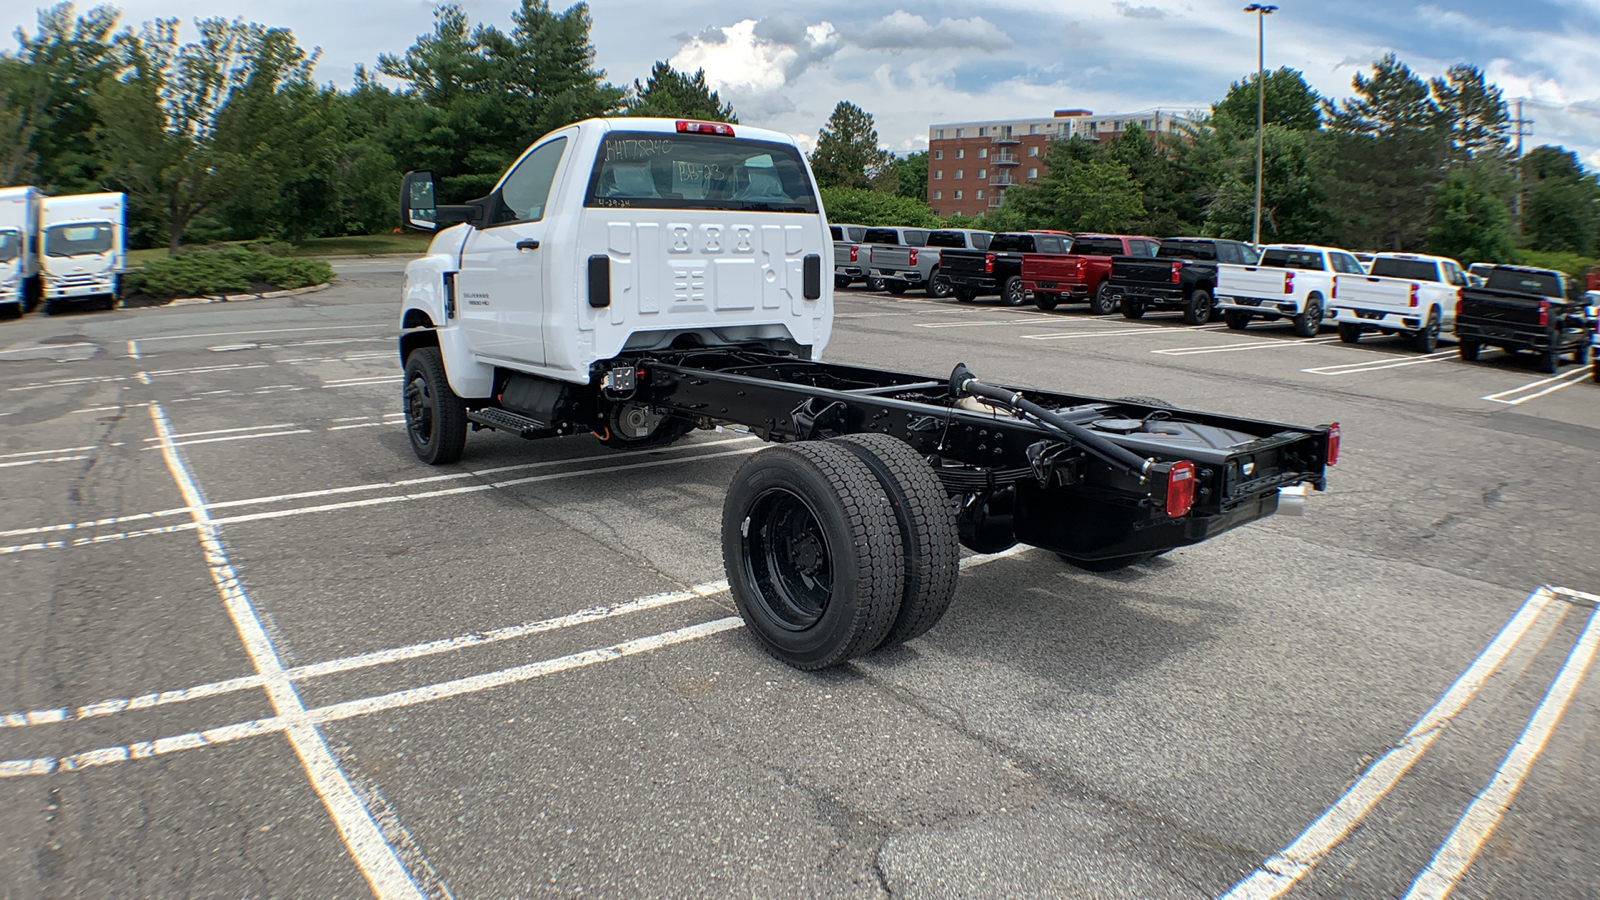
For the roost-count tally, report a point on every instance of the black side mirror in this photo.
(419, 207)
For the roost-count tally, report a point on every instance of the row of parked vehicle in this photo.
(1416, 296)
(63, 251)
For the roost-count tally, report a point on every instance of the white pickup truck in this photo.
(1402, 293)
(1292, 281)
(634, 279)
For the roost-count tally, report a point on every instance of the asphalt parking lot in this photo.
(252, 647)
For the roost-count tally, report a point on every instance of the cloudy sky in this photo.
(911, 65)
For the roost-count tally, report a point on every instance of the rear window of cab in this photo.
(655, 170)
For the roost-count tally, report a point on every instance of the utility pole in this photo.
(1262, 11)
(1524, 129)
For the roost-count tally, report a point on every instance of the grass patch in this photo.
(227, 270)
(412, 242)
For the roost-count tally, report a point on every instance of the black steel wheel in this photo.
(930, 539)
(1426, 339)
(1198, 310)
(1468, 350)
(938, 286)
(1013, 294)
(813, 553)
(1349, 332)
(436, 419)
(1103, 303)
(1132, 308)
(1309, 321)
(1237, 320)
(1046, 300)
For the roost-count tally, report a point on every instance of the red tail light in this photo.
(1288, 282)
(1333, 444)
(1177, 270)
(716, 128)
(854, 252)
(988, 264)
(1081, 265)
(1180, 489)
(913, 256)
(1335, 287)
(1460, 304)
(1544, 313)
(1415, 290)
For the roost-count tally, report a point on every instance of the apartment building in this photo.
(970, 164)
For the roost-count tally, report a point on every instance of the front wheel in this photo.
(1103, 303)
(1426, 340)
(1309, 321)
(1198, 310)
(1349, 332)
(1468, 350)
(813, 553)
(436, 419)
(1238, 321)
(1013, 294)
(1046, 300)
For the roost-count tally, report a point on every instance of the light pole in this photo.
(1261, 10)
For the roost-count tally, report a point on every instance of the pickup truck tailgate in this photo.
(1142, 270)
(1255, 282)
(1502, 308)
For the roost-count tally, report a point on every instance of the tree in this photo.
(847, 153)
(1290, 103)
(671, 94)
(60, 69)
(1474, 112)
(910, 175)
(1094, 194)
(1293, 202)
(1151, 161)
(862, 206)
(18, 162)
(1561, 210)
(1468, 218)
(1387, 157)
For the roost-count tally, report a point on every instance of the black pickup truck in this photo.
(1182, 276)
(1522, 308)
(998, 270)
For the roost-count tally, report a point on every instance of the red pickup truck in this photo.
(1082, 274)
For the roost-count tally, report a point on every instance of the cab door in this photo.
(502, 287)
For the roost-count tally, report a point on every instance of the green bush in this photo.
(866, 207)
(231, 270)
(1570, 263)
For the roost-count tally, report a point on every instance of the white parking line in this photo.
(186, 337)
(50, 459)
(1456, 854)
(1071, 335)
(360, 382)
(1279, 874)
(48, 452)
(1378, 365)
(195, 434)
(1556, 382)
(1235, 348)
(1021, 319)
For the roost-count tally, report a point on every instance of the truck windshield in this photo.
(881, 236)
(10, 244)
(78, 239)
(651, 170)
(1012, 243)
(1411, 269)
(1091, 246)
(1292, 259)
(953, 239)
(1543, 284)
(1201, 250)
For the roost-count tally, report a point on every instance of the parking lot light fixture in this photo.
(1262, 10)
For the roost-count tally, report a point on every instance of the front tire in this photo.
(1103, 304)
(436, 419)
(813, 553)
(1198, 310)
(930, 539)
(1426, 340)
(1309, 321)
(1013, 294)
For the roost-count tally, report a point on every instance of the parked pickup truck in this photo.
(1182, 276)
(637, 278)
(902, 267)
(890, 237)
(1404, 293)
(1522, 308)
(998, 270)
(1084, 273)
(1292, 281)
(849, 257)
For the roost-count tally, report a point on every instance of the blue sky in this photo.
(911, 65)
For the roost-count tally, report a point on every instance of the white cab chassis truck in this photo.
(83, 250)
(634, 279)
(19, 250)
(1292, 281)
(1402, 293)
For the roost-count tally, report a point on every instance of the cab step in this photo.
(505, 420)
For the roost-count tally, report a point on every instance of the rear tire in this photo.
(1309, 322)
(1132, 309)
(1426, 339)
(1468, 350)
(436, 419)
(1550, 361)
(930, 540)
(840, 282)
(1237, 321)
(1198, 310)
(938, 286)
(1349, 333)
(1103, 304)
(1013, 294)
(1046, 300)
(813, 553)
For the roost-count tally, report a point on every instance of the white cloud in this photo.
(901, 30)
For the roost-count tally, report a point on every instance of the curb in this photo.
(236, 298)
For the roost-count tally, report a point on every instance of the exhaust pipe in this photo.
(1292, 500)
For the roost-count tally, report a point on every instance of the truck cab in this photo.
(19, 250)
(83, 250)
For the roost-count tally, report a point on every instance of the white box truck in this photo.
(84, 249)
(19, 250)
